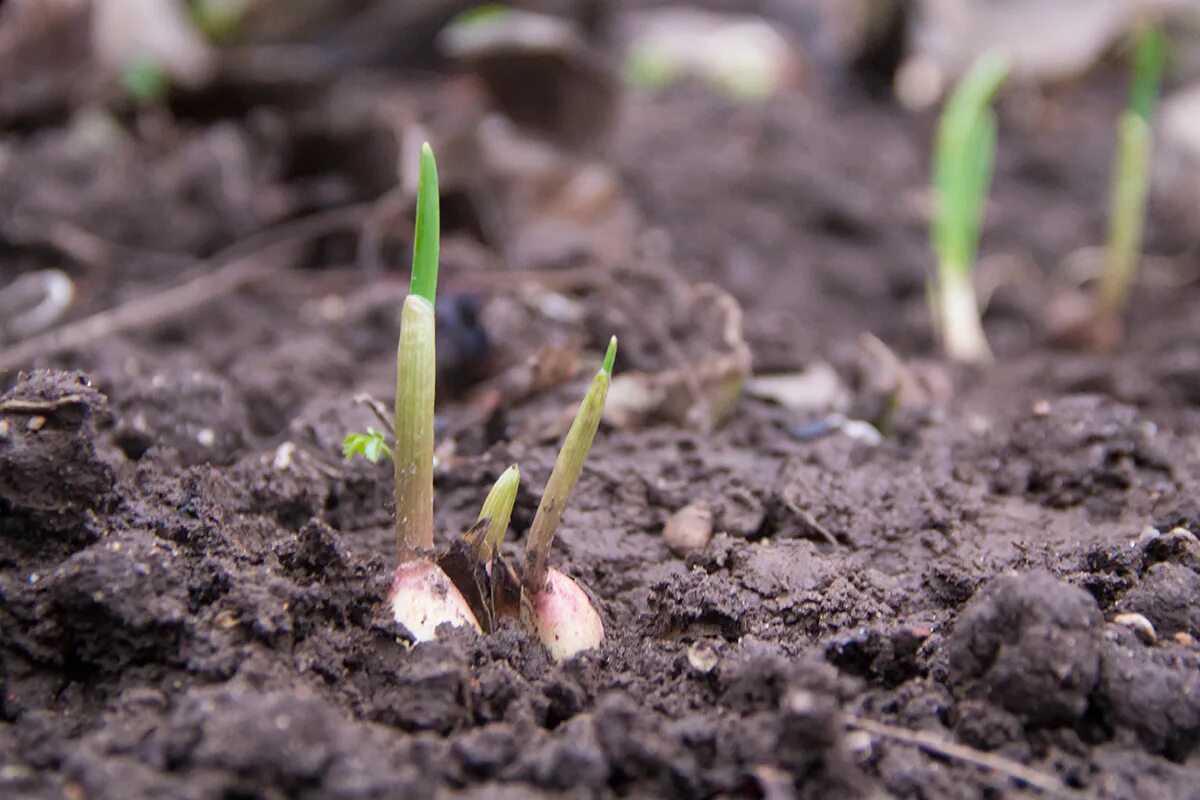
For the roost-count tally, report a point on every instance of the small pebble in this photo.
(283, 456)
(862, 431)
(206, 437)
(1139, 625)
(689, 529)
(1147, 534)
(859, 744)
(36, 423)
(702, 657)
(800, 701)
(1184, 638)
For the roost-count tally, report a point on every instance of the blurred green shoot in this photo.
(482, 14)
(1131, 181)
(369, 445)
(146, 82)
(219, 20)
(964, 154)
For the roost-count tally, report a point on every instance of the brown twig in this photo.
(241, 264)
(988, 761)
(379, 410)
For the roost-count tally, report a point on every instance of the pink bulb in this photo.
(564, 619)
(423, 597)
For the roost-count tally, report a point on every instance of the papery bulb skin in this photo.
(564, 619)
(423, 597)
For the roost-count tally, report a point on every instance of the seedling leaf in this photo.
(426, 239)
(370, 445)
(963, 160)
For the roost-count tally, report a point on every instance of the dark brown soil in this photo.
(191, 578)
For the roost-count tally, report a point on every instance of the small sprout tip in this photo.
(497, 509)
(610, 357)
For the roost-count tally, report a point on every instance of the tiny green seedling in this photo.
(1130, 184)
(964, 153)
(553, 606)
(497, 510)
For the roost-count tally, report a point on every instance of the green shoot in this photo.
(422, 595)
(369, 445)
(497, 509)
(426, 239)
(219, 19)
(145, 81)
(964, 154)
(488, 12)
(1131, 180)
(416, 375)
(565, 474)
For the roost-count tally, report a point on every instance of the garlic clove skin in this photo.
(564, 619)
(423, 597)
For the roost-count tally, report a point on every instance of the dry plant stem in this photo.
(416, 375)
(379, 410)
(989, 761)
(240, 265)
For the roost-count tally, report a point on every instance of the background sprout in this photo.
(553, 606)
(964, 153)
(146, 81)
(1130, 184)
(422, 595)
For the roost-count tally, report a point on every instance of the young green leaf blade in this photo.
(565, 475)
(1149, 61)
(427, 235)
